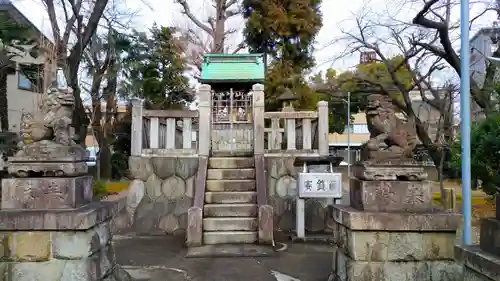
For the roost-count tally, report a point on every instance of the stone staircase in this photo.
(230, 210)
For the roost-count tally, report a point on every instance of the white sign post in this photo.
(315, 185)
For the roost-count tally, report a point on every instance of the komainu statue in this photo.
(47, 147)
(53, 121)
(390, 136)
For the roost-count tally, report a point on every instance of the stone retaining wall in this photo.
(281, 178)
(161, 193)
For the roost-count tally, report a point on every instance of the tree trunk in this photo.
(109, 95)
(4, 108)
(80, 118)
(220, 26)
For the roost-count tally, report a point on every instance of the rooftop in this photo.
(226, 68)
(9, 7)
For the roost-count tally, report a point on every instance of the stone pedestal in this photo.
(49, 227)
(482, 262)
(48, 159)
(59, 245)
(390, 231)
(46, 193)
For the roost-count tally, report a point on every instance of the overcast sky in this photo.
(335, 16)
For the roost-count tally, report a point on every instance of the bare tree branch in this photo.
(192, 17)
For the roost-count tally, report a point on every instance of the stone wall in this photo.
(70, 245)
(281, 178)
(161, 194)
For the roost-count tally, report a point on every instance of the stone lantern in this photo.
(287, 98)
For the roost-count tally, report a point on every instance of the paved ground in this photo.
(162, 258)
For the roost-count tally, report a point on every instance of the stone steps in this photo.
(229, 237)
(230, 224)
(230, 197)
(231, 174)
(230, 185)
(231, 162)
(230, 210)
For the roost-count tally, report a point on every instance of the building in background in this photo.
(359, 134)
(482, 45)
(24, 93)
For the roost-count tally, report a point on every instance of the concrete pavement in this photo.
(162, 258)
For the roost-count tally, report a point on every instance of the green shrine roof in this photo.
(223, 68)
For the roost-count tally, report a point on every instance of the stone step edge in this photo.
(231, 193)
(230, 210)
(231, 169)
(234, 237)
(231, 204)
(235, 232)
(229, 218)
(222, 158)
(231, 180)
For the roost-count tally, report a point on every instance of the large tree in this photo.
(103, 61)
(419, 67)
(155, 67)
(80, 22)
(284, 31)
(434, 17)
(15, 40)
(358, 83)
(210, 34)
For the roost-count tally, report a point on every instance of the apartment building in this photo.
(23, 93)
(482, 45)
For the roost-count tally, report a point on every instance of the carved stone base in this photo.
(48, 159)
(60, 245)
(402, 246)
(406, 170)
(46, 193)
(391, 196)
(46, 169)
(46, 150)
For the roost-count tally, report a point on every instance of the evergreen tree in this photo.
(284, 31)
(154, 69)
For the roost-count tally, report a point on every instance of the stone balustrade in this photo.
(297, 133)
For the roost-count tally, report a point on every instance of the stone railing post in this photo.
(205, 120)
(266, 216)
(194, 233)
(136, 134)
(323, 128)
(258, 118)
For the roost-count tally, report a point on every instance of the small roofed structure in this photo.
(226, 71)
(287, 98)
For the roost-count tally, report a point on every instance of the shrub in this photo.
(119, 165)
(100, 189)
(485, 153)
